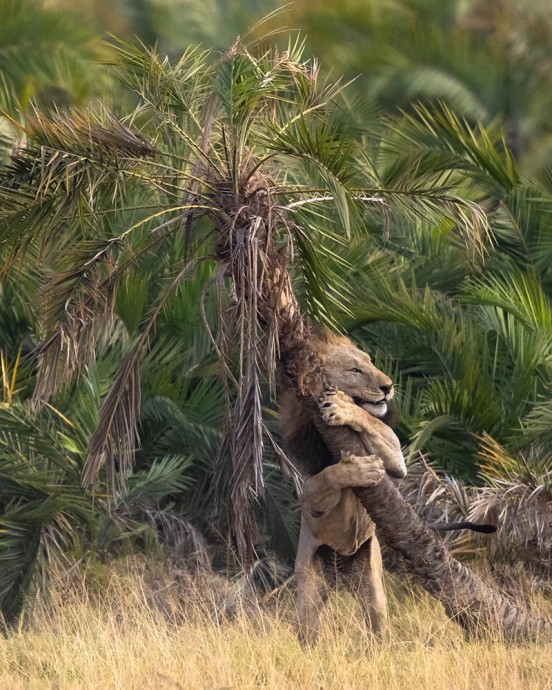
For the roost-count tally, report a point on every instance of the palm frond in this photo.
(326, 155)
(173, 94)
(193, 427)
(114, 440)
(42, 507)
(167, 475)
(19, 546)
(518, 496)
(73, 164)
(479, 150)
(520, 294)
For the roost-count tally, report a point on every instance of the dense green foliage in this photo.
(425, 232)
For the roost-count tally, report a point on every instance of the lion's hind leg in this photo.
(364, 580)
(311, 585)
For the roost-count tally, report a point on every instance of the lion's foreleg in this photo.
(321, 493)
(365, 582)
(337, 409)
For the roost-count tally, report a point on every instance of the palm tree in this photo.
(252, 162)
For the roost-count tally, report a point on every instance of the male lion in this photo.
(334, 524)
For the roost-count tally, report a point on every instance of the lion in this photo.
(334, 524)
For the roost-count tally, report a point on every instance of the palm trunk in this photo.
(469, 601)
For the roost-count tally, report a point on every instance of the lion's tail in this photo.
(448, 527)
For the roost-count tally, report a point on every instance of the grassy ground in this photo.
(133, 629)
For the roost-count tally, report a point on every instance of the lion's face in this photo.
(350, 370)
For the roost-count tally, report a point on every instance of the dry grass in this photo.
(133, 629)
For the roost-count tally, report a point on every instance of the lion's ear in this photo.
(325, 339)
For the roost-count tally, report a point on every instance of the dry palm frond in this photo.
(72, 343)
(243, 220)
(441, 499)
(83, 134)
(518, 492)
(181, 536)
(114, 440)
(516, 497)
(77, 305)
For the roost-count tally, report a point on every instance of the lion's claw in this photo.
(335, 407)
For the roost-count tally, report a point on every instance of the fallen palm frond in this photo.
(515, 497)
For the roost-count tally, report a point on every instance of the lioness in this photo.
(333, 520)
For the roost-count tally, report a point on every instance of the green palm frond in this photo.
(193, 427)
(456, 145)
(166, 476)
(536, 426)
(39, 497)
(520, 294)
(19, 546)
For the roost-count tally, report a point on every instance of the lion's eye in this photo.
(355, 370)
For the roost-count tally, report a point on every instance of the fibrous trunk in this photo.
(467, 599)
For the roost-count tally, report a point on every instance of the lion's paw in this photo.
(360, 471)
(336, 408)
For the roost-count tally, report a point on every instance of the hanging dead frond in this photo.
(72, 344)
(114, 440)
(241, 220)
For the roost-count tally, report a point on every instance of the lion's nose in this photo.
(386, 389)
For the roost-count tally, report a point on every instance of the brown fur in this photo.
(333, 520)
